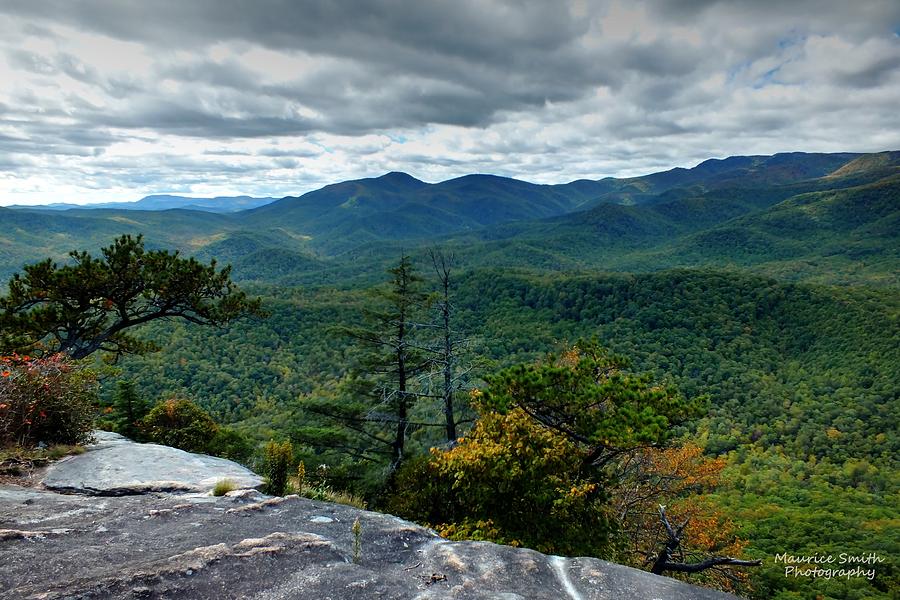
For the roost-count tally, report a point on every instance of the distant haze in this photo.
(112, 100)
(165, 202)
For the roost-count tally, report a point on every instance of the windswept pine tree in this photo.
(94, 304)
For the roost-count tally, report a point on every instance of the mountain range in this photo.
(219, 204)
(828, 217)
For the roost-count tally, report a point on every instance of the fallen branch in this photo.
(664, 560)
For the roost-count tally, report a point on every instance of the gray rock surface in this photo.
(163, 545)
(141, 541)
(115, 466)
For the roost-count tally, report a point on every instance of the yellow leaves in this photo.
(582, 490)
(171, 408)
(687, 466)
(833, 433)
(475, 529)
(676, 477)
(570, 358)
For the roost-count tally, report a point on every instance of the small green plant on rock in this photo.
(357, 540)
(277, 461)
(223, 486)
(301, 478)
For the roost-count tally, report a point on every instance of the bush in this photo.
(182, 424)
(45, 400)
(232, 445)
(277, 462)
(509, 481)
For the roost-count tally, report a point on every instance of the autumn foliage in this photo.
(535, 469)
(680, 478)
(509, 481)
(45, 400)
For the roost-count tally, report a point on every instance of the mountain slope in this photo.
(839, 235)
(397, 206)
(27, 235)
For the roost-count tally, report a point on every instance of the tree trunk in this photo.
(448, 365)
(402, 413)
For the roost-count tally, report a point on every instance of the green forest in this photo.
(801, 381)
(748, 310)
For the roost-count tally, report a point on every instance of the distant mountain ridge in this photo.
(222, 204)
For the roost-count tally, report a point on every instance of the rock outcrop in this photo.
(116, 466)
(246, 545)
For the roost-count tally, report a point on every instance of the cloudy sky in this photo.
(113, 100)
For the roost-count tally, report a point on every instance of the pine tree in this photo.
(374, 420)
(448, 348)
(92, 304)
(130, 408)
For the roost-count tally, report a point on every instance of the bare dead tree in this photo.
(443, 265)
(449, 347)
(672, 548)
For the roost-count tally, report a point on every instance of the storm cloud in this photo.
(112, 100)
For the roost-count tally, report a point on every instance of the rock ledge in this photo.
(243, 545)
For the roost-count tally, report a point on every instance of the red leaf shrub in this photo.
(49, 400)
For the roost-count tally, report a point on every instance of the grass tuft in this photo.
(223, 486)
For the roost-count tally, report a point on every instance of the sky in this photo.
(112, 100)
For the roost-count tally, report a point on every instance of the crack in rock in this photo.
(261, 505)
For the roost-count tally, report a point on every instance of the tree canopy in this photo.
(93, 303)
(587, 397)
(537, 467)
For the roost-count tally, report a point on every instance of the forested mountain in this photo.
(801, 381)
(845, 233)
(30, 235)
(398, 206)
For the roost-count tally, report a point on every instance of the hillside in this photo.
(845, 234)
(29, 235)
(835, 235)
(800, 379)
(398, 206)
